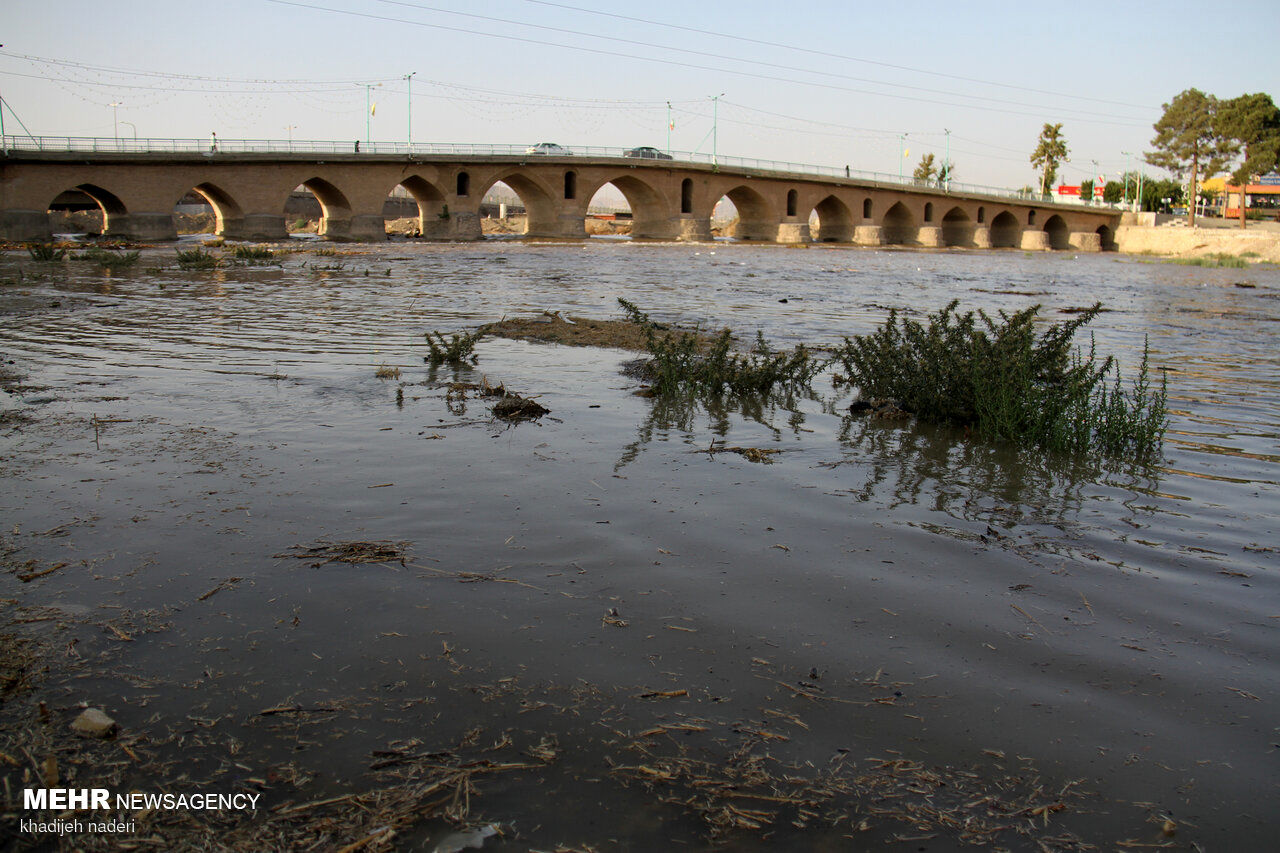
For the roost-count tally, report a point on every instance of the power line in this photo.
(830, 55)
(671, 62)
(720, 56)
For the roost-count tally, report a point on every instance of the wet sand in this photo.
(589, 631)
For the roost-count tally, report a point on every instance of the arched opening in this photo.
(928, 211)
(1059, 234)
(1005, 231)
(570, 185)
(755, 218)
(541, 208)
(957, 228)
(628, 205)
(899, 226)
(1107, 238)
(1031, 217)
(982, 214)
(335, 210)
(207, 209)
(416, 208)
(502, 211)
(86, 209)
(793, 198)
(866, 208)
(463, 184)
(686, 195)
(835, 221)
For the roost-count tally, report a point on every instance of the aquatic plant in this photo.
(1002, 381)
(197, 259)
(457, 349)
(108, 259)
(46, 252)
(386, 371)
(1215, 260)
(258, 254)
(694, 361)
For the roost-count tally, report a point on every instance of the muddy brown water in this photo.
(880, 591)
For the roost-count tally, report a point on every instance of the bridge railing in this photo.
(108, 145)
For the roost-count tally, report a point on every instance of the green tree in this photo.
(925, 171)
(1051, 151)
(946, 173)
(1188, 141)
(1113, 192)
(1086, 191)
(1251, 123)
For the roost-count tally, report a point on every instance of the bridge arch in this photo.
(541, 203)
(433, 211)
(1059, 233)
(650, 211)
(335, 209)
(756, 217)
(1108, 238)
(1005, 231)
(899, 226)
(227, 212)
(957, 228)
(835, 221)
(114, 212)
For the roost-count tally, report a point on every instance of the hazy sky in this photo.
(827, 83)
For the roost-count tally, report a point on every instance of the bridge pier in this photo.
(148, 227)
(981, 237)
(868, 235)
(691, 230)
(25, 226)
(794, 232)
(258, 227)
(1035, 241)
(1086, 241)
(930, 236)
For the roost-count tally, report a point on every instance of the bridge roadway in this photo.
(669, 199)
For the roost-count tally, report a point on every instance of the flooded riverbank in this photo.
(589, 631)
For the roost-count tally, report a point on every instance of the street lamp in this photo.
(669, 126)
(1094, 194)
(135, 129)
(902, 155)
(1125, 200)
(409, 80)
(715, 125)
(368, 111)
(946, 163)
(115, 123)
(290, 129)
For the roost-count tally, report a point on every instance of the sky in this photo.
(823, 83)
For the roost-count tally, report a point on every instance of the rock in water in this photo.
(93, 723)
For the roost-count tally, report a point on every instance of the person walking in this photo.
(213, 146)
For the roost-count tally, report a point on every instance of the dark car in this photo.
(646, 152)
(548, 148)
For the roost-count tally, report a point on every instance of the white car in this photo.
(549, 148)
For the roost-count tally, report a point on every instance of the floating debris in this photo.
(350, 552)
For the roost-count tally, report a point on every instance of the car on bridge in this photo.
(646, 152)
(548, 148)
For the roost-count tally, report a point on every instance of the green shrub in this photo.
(254, 254)
(107, 258)
(46, 252)
(197, 259)
(459, 348)
(1215, 260)
(998, 378)
(691, 361)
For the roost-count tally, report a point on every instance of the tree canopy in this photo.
(1188, 141)
(925, 170)
(1051, 150)
(1250, 124)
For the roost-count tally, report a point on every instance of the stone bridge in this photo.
(670, 200)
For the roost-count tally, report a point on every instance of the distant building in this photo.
(1262, 197)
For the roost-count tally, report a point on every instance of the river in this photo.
(653, 646)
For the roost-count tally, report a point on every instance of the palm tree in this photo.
(1051, 150)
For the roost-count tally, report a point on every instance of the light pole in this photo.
(135, 129)
(409, 80)
(368, 111)
(1125, 200)
(902, 154)
(290, 128)
(946, 163)
(715, 128)
(1094, 194)
(668, 127)
(115, 122)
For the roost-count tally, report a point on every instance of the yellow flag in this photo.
(373, 110)
(906, 152)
